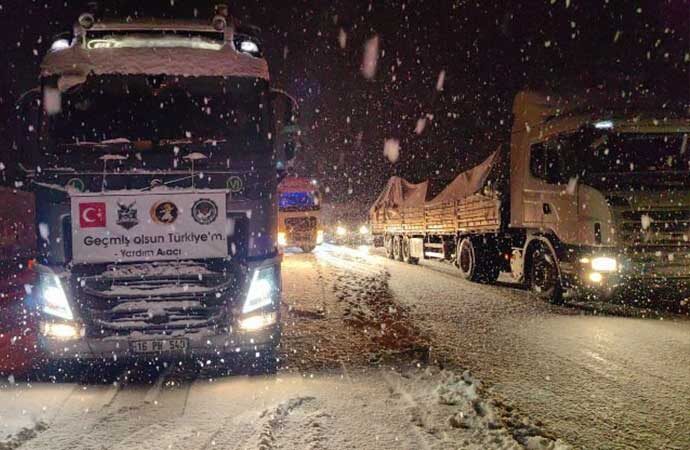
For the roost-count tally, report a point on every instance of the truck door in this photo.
(554, 201)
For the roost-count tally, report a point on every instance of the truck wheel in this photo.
(544, 281)
(466, 260)
(307, 248)
(474, 264)
(406, 252)
(388, 246)
(397, 248)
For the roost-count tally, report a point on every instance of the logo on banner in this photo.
(127, 215)
(92, 215)
(164, 212)
(204, 211)
(234, 184)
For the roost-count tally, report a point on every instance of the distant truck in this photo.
(151, 157)
(299, 213)
(587, 200)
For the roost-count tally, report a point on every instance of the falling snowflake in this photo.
(371, 58)
(391, 149)
(342, 38)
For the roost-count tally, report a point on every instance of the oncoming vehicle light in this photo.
(282, 239)
(603, 124)
(363, 229)
(319, 237)
(341, 231)
(261, 290)
(54, 298)
(604, 264)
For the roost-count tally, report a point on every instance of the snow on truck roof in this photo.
(532, 108)
(146, 55)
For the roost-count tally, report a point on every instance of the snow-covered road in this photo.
(378, 409)
(596, 381)
(363, 339)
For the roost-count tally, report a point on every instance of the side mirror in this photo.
(290, 150)
(285, 114)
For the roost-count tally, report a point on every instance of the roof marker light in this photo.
(603, 125)
(219, 23)
(87, 20)
(249, 47)
(60, 44)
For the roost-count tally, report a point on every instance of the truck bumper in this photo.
(200, 345)
(632, 278)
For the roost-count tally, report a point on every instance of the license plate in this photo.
(159, 345)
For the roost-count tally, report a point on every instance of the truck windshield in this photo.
(634, 153)
(224, 118)
(616, 159)
(298, 201)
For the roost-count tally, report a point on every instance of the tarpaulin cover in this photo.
(467, 183)
(401, 193)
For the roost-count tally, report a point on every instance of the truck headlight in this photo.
(363, 230)
(282, 239)
(254, 323)
(60, 331)
(341, 231)
(261, 291)
(604, 264)
(54, 298)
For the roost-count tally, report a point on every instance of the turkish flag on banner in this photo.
(92, 215)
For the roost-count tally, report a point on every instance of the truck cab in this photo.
(153, 165)
(299, 213)
(603, 196)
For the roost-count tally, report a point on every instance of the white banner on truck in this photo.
(133, 226)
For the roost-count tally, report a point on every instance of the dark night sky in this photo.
(488, 50)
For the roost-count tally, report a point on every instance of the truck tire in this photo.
(307, 248)
(543, 277)
(406, 251)
(474, 262)
(388, 246)
(397, 248)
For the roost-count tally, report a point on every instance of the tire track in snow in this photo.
(111, 424)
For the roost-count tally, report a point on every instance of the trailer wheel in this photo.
(397, 248)
(388, 246)
(544, 280)
(475, 264)
(406, 252)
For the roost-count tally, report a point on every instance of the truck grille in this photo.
(156, 298)
(662, 227)
(300, 223)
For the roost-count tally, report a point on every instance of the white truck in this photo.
(152, 160)
(587, 199)
(299, 213)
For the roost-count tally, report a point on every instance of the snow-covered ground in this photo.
(596, 381)
(376, 409)
(364, 342)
